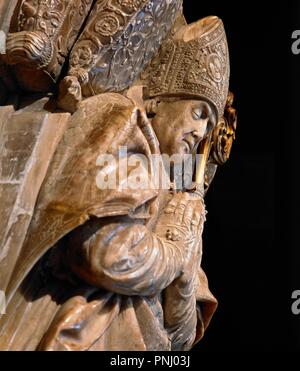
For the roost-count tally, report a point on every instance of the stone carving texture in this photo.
(41, 37)
(117, 268)
(194, 67)
(119, 40)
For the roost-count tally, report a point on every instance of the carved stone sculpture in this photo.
(100, 244)
(41, 36)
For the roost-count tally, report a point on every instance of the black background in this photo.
(251, 243)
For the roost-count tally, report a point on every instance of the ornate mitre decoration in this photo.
(192, 63)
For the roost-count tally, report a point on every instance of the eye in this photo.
(198, 113)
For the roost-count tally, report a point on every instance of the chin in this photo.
(179, 154)
(183, 149)
(180, 150)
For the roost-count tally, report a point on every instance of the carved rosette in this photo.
(119, 40)
(41, 36)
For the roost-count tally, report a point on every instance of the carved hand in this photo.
(126, 257)
(181, 224)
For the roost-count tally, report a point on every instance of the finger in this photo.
(170, 208)
(197, 221)
(188, 215)
(172, 204)
(180, 209)
(188, 196)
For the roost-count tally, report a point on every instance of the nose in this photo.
(196, 135)
(199, 133)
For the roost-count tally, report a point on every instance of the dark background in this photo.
(251, 239)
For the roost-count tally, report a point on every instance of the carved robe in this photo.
(49, 307)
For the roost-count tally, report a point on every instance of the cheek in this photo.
(167, 140)
(157, 123)
(177, 147)
(173, 137)
(170, 130)
(162, 131)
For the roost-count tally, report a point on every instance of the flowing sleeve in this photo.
(125, 257)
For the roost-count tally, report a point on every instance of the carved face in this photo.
(181, 125)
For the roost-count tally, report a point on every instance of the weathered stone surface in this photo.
(7, 8)
(28, 141)
(88, 266)
(39, 36)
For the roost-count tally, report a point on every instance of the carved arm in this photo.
(127, 258)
